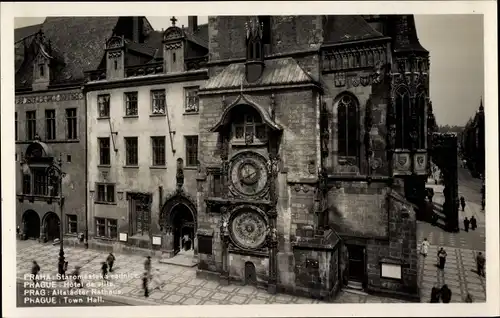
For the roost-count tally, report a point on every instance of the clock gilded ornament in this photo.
(249, 175)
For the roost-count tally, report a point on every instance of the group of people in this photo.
(107, 266)
(472, 223)
(441, 294)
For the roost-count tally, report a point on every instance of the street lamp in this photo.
(55, 176)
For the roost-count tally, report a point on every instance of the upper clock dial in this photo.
(249, 177)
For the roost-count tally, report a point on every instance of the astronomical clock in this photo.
(249, 176)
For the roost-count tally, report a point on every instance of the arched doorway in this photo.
(178, 218)
(31, 225)
(183, 227)
(52, 226)
(250, 274)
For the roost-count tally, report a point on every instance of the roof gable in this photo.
(276, 72)
(78, 43)
(22, 33)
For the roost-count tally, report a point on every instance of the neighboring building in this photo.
(311, 128)
(143, 114)
(473, 143)
(50, 119)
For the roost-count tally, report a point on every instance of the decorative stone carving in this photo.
(340, 79)
(402, 164)
(115, 42)
(420, 163)
(179, 177)
(49, 98)
(173, 33)
(305, 188)
(336, 59)
(248, 229)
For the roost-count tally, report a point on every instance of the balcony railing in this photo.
(195, 63)
(142, 70)
(190, 64)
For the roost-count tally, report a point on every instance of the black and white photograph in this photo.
(158, 158)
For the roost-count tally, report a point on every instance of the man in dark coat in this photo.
(480, 262)
(445, 294)
(435, 294)
(473, 223)
(442, 257)
(145, 279)
(110, 260)
(35, 269)
(462, 203)
(104, 270)
(147, 265)
(466, 224)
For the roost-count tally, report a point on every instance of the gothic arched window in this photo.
(422, 118)
(347, 110)
(403, 117)
(248, 126)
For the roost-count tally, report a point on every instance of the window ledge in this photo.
(99, 118)
(158, 167)
(105, 203)
(130, 167)
(242, 143)
(191, 113)
(71, 234)
(157, 115)
(131, 116)
(104, 166)
(191, 168)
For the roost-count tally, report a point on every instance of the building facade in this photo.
(50, 124)
(311, 128)
(473, 143)
(143, 118)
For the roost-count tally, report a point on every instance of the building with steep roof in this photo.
(50, 118)
(313, 141)
(142, 122)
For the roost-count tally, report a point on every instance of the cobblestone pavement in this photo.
(180, 283)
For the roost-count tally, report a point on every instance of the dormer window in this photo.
(248, 128)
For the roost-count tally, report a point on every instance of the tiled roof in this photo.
(404, 34)
(22, 33)
(78, 41)
(276, 72)
(345, 28)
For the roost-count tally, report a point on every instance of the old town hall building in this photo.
(310, 128)
(286, 149)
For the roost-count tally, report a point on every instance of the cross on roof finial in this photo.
(173, 20)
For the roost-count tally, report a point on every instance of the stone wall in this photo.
(237, 264)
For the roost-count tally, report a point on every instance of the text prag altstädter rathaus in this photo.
(287, 149)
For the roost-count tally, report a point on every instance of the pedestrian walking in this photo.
(156, 281)
(110, 260)
(466, 224)
(442, 258)
(424, 247)
(145, 279)
(77, 279)
(473, 223)
(480, 262)
(445, 294)
(147, 265)
(104, 270)
(462, 203)
(35, 269)
(435, 294)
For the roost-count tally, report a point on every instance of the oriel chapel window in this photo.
(403, 123)
(348, 140)
(248, 127)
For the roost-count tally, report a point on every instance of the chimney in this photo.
(135, 29)
(192, 23)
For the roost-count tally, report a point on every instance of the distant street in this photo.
(462, 247)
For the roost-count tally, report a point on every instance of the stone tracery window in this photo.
(348, 139)
(403, 118)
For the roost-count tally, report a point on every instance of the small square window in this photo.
(68, 158)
